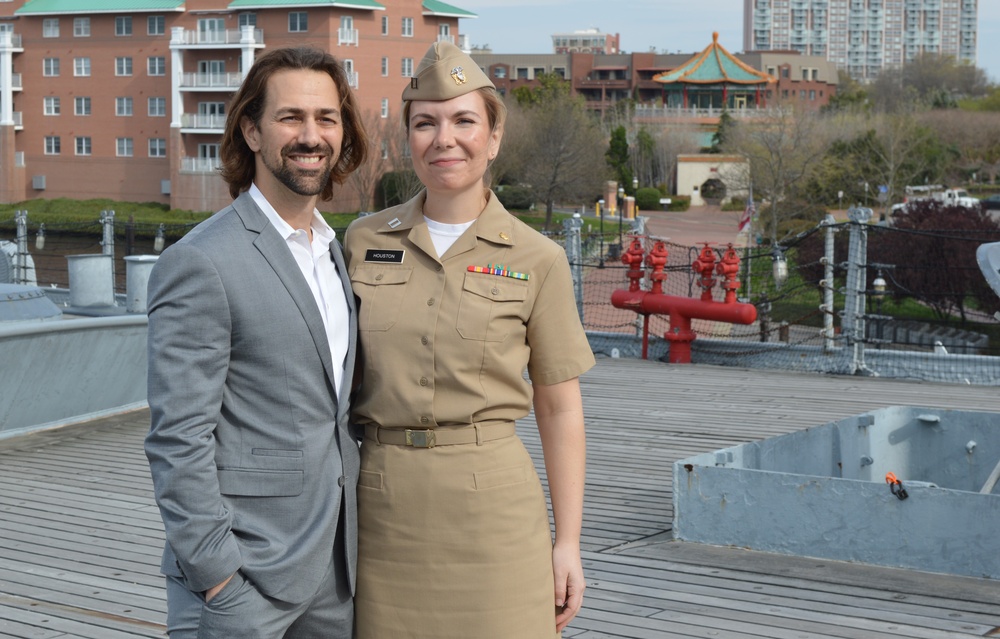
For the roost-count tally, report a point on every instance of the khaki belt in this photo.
(431, 437)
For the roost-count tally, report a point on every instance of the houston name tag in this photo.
(384, 256)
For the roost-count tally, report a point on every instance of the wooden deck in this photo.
(80, 536)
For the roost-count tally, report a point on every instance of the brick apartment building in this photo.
(126, 99)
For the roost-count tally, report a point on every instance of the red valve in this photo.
(657, 259)
(705, 264)
(633, 259)
(729, 269)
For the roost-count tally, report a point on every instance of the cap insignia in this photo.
(458, 75)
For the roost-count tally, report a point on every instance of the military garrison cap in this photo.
(445, 73)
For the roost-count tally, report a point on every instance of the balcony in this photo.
(202, 123)
(15, 41)
(352, 79)
(211, 81)
(231, 38)
(15, 82)
(446, 38)
(200, 165)
(347, 36)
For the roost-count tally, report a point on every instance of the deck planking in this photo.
(80, 535)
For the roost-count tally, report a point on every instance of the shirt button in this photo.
(341, 480)
(424, 420)
(423, 340)
(379, 277)
(423, 381)
(438, 268)
(495, 291)
(430, 302)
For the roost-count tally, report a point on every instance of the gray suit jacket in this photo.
(250, 450)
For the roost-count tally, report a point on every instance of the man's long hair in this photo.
(238, 160)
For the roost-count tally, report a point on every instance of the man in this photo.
(251, 353)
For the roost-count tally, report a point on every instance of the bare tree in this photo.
(554, 146)
(366, 178)
(975, 136)
(783, 148)
(395, 151)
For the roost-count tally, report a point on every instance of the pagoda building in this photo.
(715, 79)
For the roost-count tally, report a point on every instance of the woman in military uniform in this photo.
(458, 299)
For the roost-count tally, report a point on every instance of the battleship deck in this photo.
(80, 536)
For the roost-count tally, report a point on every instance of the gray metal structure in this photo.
(822, 492)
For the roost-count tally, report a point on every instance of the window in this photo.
(408, 27)
(50, 105)
(812, 94)
(211, 30)
(50, 28)
(500, 72)
(385, 25)
(385, 67)
(385, 150)
(407, 67)
(83, 146)
(123, 106)
(298, 21)
(785, 72)
(52, 145)
(157, 107)
(123, 25)
(805, 74)
(156, 65)
(123, 147)
(385, 107)
(157, 147)
(81, 105)
(81, 27)
(81, 67)
(50, 67)
(123, 66)
(156, 25)
(248, 20)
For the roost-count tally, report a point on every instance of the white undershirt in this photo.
(444, 235)
(320, 272)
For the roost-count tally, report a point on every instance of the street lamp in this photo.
(635, 185)
(40, 237)
(779, 267)
(159, 240)
(621, 214)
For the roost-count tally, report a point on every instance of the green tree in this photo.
(722, 132)
(617, 157)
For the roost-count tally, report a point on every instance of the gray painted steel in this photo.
(70, 370)
(822, 492)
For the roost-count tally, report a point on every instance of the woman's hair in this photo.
(496, 110)
(239, 161)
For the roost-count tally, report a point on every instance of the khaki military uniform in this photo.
(454, 531)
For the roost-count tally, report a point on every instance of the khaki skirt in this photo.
(453, 543)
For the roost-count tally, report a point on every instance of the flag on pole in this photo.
(748, 213)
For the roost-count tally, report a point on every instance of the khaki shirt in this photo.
(443, 346)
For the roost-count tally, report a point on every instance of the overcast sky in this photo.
(526, 26)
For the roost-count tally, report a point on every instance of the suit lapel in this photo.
(274, 250)
(345, 386)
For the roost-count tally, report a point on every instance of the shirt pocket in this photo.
(490, 307)
(380, 291)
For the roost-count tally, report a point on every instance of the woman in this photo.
(457, 299)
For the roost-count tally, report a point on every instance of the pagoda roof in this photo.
(715, 65)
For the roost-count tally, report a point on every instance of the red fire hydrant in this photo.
(729, 269)
(682, 309)
(705, 264)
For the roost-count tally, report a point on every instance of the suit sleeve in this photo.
(189, 350)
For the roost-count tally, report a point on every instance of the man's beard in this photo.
(296, 180)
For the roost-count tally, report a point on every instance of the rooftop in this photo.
(80, 536)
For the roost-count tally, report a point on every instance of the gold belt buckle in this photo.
(420, 438)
